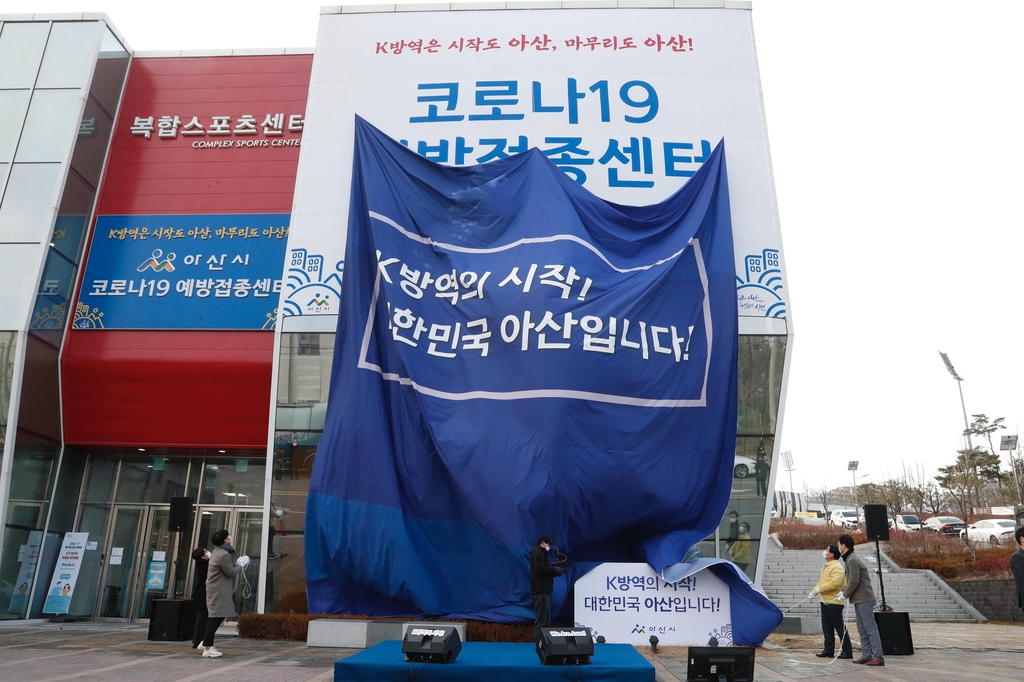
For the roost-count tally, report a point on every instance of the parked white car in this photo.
(907, 522)
(845, 518)
(743, 467)
(993, 531)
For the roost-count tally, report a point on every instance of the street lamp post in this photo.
(959, 380)
(853, 473)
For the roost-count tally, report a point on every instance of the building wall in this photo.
(996, 599)
(187, 387)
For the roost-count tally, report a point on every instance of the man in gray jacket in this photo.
(220, 588)
(859, 593)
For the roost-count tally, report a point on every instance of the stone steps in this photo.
(789, 575)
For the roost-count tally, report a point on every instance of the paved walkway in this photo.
(98, 652)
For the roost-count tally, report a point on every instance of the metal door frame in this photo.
(133, 575)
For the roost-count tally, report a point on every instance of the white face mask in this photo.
(824, 554)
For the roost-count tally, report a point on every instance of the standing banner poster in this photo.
(65, 573)
(29, 558)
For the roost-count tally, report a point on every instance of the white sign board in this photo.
(65, 573)
(627, 603)
(627, 102)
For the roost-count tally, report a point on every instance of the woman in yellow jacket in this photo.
(830, 584)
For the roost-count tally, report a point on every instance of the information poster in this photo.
(157, 575)
(65, 573)
(29, 556)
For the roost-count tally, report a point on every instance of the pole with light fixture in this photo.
(852, 468)
(959, 381)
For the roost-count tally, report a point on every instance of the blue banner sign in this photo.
(518, 357)
(184, 272)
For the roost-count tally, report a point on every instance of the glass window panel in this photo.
(294, 453)
(101, 477)
(5, 168)
(305, 369)
(110, 71)
(227, 481)
(91, 145)
(286, 575)
(248, 540)
(8, 342)
(26, 214)
(21, 50)
(13, 107)
(152, 479)
(51, 126)
(93, 521)
(70, 53)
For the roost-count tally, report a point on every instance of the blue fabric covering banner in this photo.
(518, 357)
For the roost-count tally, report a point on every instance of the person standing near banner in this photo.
(220, 587)
(542, 583)
(830, 585)
(202, 559)
(859, 593)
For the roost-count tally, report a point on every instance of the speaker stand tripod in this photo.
(881, 583)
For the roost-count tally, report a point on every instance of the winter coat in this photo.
(1017, 566)
(199, 583)
(220, 582)
(741, 549)
(831, 582)
(542, 573)
(858, 580)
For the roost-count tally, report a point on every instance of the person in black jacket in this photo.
(542, 582)
(202, 559)
(1017, 565)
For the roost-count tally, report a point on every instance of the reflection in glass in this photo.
(114, 600)
(233, 481)
(761, 361)
(8, 342)
(152, 479)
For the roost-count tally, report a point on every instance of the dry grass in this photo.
(807, 536)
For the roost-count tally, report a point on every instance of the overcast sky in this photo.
(895, 132)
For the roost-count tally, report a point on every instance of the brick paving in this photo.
(95, 652)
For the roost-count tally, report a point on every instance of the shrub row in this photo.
(294, 627)
(806, 536)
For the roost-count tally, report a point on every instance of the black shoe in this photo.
(823, 654)
(846, 656)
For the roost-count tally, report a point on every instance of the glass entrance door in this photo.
(156, 571)
(122, 557)
(246, 529)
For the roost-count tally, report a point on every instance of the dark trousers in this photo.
(211, 629)
(762, 487)
(202, 616)
(832, 627)
(542, 608)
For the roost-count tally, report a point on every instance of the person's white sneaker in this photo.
(200, 647)
(211, 653)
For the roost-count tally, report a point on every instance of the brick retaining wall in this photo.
(996, 599)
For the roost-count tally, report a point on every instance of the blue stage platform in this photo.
(493, 662)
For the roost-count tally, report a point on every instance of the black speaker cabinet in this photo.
(435, 644)
(877, 521)
(566, 646)
(181, 513)
(172, 620)
(894, 631)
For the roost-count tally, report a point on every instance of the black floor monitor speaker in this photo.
(566, 646)
(877, 521)
(172, 620)
(894, 631)
(435, 644)
(720, 664)
(181, 513)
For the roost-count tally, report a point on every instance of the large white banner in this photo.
(628, 102)
(65, 573)
(627, 603)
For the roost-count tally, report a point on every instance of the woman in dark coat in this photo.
(202, 559)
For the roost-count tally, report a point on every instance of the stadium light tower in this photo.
(959, 379)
